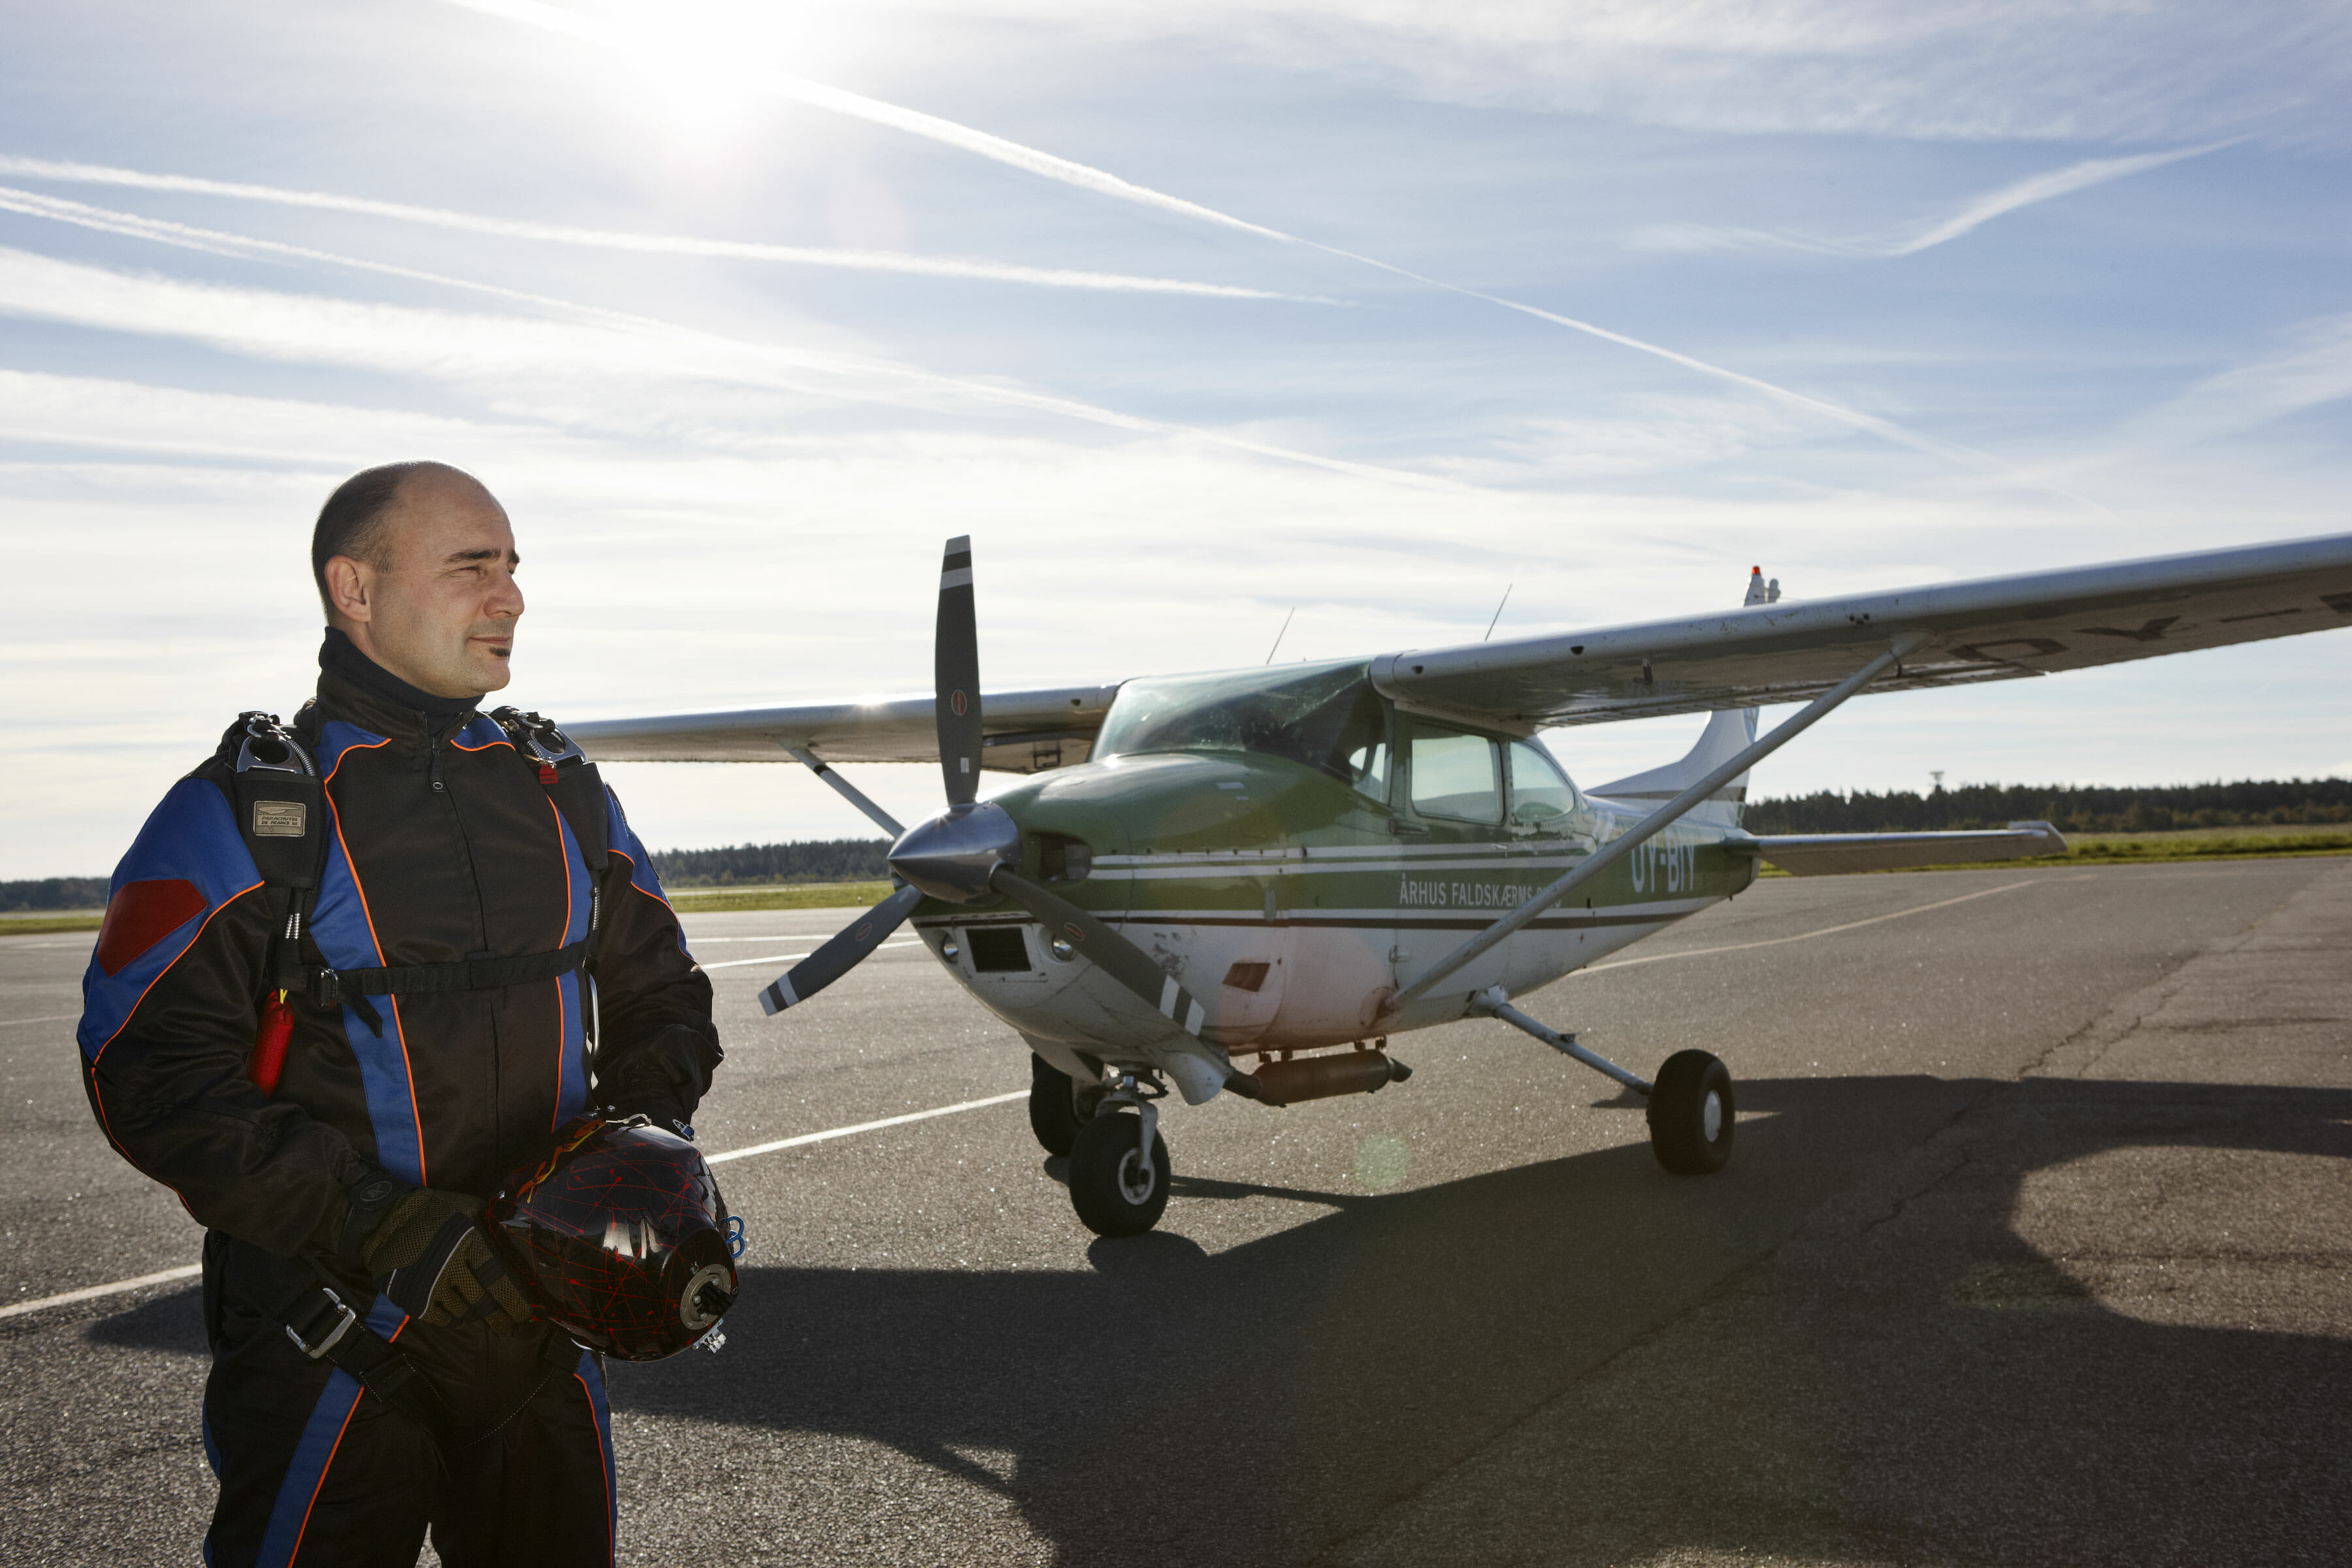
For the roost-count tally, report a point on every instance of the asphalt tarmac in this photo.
(2032, 1252)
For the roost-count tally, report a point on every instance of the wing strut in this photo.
(1625, 843)
(847, 791)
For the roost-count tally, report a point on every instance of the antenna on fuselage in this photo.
(1280, 634)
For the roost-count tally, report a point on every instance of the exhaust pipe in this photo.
(1319, 1077)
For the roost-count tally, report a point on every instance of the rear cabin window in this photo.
(1455, 775)
(1327, 717)
(1540, 792)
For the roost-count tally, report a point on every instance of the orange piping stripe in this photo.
(590, 1396)
(562, 937)
(321, 1483)
(166, 970)
(485, 746)
(398, 1034)
(633, 883)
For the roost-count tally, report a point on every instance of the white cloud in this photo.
(2154, 71)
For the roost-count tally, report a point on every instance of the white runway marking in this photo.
(91, 1292)
(866, 1127)
(190, 1271)
(771, 936)
(796, 957)
(45, 1018)
(1808, 936)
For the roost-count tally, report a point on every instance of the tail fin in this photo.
(1730, 732)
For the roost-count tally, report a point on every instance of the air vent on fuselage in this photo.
(998, 950)
(1062, 858)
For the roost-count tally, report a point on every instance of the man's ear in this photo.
(350, 588)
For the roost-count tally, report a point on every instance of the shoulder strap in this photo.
(270, 774)
(272, 778)
(570, 779)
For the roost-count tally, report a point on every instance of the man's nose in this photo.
(506, 599)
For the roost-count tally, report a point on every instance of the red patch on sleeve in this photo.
(142, 914)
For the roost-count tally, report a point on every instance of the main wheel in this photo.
(1053, 1106)
(1691, 1113)
(1107, 1183)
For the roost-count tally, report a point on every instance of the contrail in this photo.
(667, 244)
(2042, 188)
(215, 242)
(2025, 193)
(555, 19)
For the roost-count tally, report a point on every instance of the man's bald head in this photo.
(415, 562)
(354, 520)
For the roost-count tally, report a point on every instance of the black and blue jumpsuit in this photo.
(445, 846)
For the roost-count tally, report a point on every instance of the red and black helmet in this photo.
(620, 1239)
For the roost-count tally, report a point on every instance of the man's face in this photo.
(441, 612)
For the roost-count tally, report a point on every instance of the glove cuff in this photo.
(371, 1198)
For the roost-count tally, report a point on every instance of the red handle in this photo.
(268, 1057)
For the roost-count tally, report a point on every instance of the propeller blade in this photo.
(839, 955)
(1119, 958)
(955, 662)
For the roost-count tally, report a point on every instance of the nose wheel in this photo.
(1119, 1167)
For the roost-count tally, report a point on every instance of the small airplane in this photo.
(1293, 864)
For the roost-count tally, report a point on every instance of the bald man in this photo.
(343, 991)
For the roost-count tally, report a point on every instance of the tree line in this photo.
(2069, 808)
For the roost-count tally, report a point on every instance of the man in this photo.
(334, 1078)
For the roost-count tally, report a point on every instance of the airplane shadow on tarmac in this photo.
(1913, 1382)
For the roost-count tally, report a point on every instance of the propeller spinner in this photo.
(966, 854)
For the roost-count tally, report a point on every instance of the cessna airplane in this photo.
(1292, 865)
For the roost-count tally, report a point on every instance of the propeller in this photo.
(968, 853)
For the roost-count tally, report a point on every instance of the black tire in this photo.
(1693, 1089)
(1053, 1106)
(1105, 1183)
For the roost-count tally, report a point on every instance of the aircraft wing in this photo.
(1833, 854)
(1993, 628)
(1024, 731)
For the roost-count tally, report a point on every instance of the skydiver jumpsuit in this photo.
(445, 846)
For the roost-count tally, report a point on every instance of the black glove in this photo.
(430, 1257)
(663, 1080)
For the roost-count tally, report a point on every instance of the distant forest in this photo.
(2069, 810)
(54, 893)
(764, 865)
(2073, 810)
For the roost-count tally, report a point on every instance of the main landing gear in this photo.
(1118, 1163)
(1691, 1106)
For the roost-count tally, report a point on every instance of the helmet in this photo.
(621, 1237)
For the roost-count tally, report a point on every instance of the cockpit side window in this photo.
(1540, 792)
(1455, 775)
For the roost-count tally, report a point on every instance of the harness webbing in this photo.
(330, 986)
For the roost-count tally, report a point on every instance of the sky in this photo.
(1195, 318)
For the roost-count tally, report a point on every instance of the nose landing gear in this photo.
(1118, 1164)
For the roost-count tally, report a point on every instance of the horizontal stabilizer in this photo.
(1832, 854)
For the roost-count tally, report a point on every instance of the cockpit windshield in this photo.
(1325, 716)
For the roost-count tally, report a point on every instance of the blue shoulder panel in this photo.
(641, 876)
(190, 837)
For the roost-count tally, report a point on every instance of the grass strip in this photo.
(34, 925)
(820, 895)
